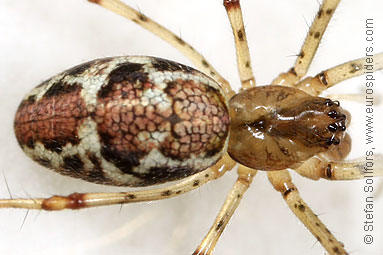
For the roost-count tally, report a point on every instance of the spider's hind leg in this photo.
(86, 200)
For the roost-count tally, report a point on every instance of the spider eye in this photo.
(332, 114)
(332, 127)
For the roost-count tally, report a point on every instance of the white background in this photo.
(41, 38)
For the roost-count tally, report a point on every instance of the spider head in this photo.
(276, 127)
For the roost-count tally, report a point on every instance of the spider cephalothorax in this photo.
(274, 127)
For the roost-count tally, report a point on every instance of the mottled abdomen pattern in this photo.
(126, 121)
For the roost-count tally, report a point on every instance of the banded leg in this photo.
(357, 98)
(330, 77)
(281, 180)
(316, 168)
(187, 50)
(234, 13)
(245, 177)
(87, 200)
(310, 45)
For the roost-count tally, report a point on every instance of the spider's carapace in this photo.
(275, 127)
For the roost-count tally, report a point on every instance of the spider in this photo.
(258, 177)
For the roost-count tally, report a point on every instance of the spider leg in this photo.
(330, 77)
(234, 13)
(245, 177)
(310, 45)
(87, 200)
(357, 98)
(316, 168)
(281, 180)
(186, 49)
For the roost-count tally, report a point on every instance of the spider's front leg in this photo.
(316, 168)
(332, 76)
(186, 49)
(310, 45)
(234, 13)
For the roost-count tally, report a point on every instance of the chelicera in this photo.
(321, 123)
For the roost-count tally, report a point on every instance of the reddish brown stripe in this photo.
(73, 201)
(53, 120)
(231, 4)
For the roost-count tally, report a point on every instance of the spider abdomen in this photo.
(275, 127)
(127, 121)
